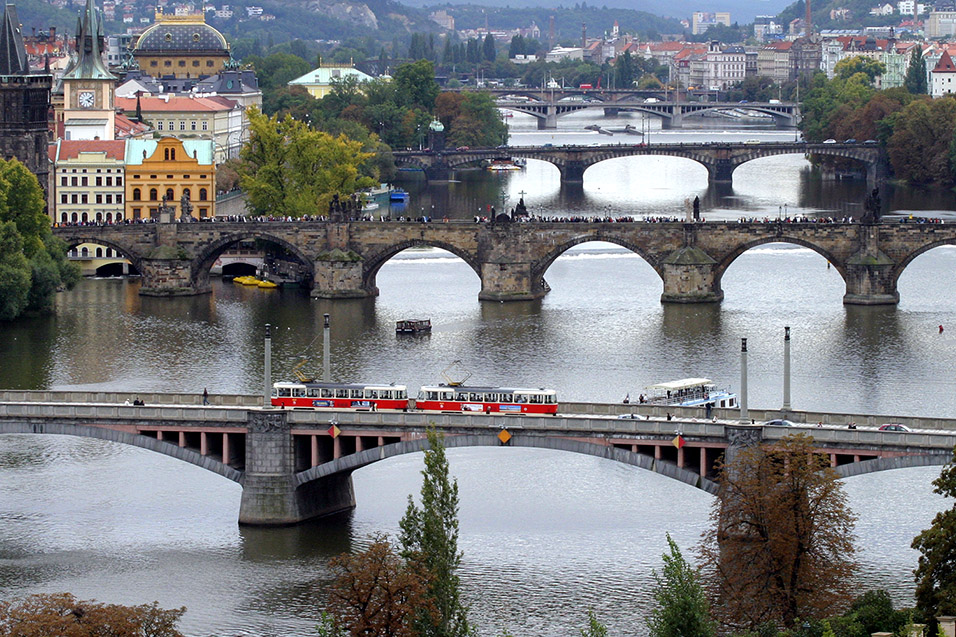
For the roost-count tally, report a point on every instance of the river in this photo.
(545, 535)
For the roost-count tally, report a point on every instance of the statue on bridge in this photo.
(185, 207)
(872, 207)
(697, 208)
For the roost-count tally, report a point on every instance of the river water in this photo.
(545, 535)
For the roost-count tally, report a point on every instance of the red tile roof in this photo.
(176, 104)
(945, 64)
(71, 149)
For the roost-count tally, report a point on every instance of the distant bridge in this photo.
(292, 468)
(720, 159)
(342, 259)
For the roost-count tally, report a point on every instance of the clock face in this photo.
(86, 99)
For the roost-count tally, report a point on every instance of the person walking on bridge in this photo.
(205, 396)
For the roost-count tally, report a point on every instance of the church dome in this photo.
(180, 34)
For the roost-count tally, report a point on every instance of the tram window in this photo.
(341, 393)
(463, 396)
(431, 395)
(356, 393)
(275, 394)
(298, 392)
(507, 398)
(402, 394)
(371, 393)
(385, 394)
(285, 392)
(312, 392)
(446, 395)
(475, 397)
(325, 392)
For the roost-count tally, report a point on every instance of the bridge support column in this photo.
(338, 275)
(869, 274)
(572, 172)
(270, 496)
(170, 277)
(676, 120)
(722, 171)
(611, 112)
(509, 282)
(550, 119)
(876, 174)
(438, 172)
(690, 276)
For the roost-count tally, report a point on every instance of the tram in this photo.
(312, 395)
(487, 399)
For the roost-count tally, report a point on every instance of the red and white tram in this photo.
(310, 395)
(487, 399)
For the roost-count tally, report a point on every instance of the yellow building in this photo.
(183, 46)
(173, 169)
(318, 82)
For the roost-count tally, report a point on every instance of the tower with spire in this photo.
(24, 101)
(87, 110)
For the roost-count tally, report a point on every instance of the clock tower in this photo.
(88, 111)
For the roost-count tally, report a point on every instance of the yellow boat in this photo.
(268, 285)
(241, 280)
(250, 280)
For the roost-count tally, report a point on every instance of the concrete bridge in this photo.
(293, 467)
(720, 159)
(547, 111)
(342, 260)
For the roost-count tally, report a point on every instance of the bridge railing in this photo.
(150, 398)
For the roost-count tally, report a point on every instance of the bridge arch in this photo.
(348, 464)
(886, 464)
(726, 262)
(541, 266)
(134, 258)
(136, 440)
(374, 262)
(204, 261)
(902, 265)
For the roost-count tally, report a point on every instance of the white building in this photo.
(943, 76)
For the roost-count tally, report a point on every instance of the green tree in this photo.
(288, 169)
(624, 70)
(429, 539)
(595, 628)
(848, 67)
(936, 569)
(488, 49)
(915, 81)
(682, 609)
(780, 546)
(415, 85)
(14, 273)
(919, 149)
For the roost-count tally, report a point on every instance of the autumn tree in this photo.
(63, 615)
(289, 169)
(376, 592)
(920, 146)
(429, 540)
(681, 603)
(936, 570)
(780, 547)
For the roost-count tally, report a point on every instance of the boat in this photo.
(413, 326)
(397, 194)
(688, 392)
(250, 280)
(267, 285)
(503, 164)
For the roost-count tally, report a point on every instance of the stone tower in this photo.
(24, 102)
(88, 111)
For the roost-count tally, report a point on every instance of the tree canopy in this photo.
(780, 545)
(681, 608)
(936, 570)
(63, 614)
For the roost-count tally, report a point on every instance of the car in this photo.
(850, 141)
(829, 141)
(870, 141)
(549, 146)
(462, 148)
(631, 417)
(892, 426)
(778, 422)
(742, 102)
(751, 141)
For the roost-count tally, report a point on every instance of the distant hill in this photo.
(742, 11)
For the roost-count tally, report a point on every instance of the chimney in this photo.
(807, 19)
(53, 34)
(551, 33)
(584, 35)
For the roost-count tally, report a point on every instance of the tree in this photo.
(682, 609)
(624, 71)
(915, 81)
(919, 149)
(936, 569)
(288, 169)
(488, 49)
(415, 85)
(595, 628)
(780, 547)
(376, 593)
(63, 614)
(429, 540)
(848, 67)
(14, 273)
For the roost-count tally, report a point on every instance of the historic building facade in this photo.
(89, 181)
(167, 175)
(183, 46)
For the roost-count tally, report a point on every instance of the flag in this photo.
(678, 441)
(334, 431)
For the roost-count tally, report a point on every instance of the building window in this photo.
(167, 63)
(205, 125)
(195, 62)
(203, 212)
(170, 195)
(109, 198)
(182, 125)
(119, 181)
(74, 198)
(153, 194)
(119, 198)
(99, 197)
(109, 181)
(192, 125)
(99, 180)
(136, 194)
(63, 197)
(159, 126)
(170, 126)
(84, 198)
(209, 62)
(99, 250)
(73, 181)
(182, 63)
(62, 181)
(187, 193)
(165, 154)
(153, 63)
(63, 218)
(73, 217)
(202, 194)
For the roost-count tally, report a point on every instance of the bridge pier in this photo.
(339, 275)
(721, 171)
(572, 171)
(550, 119)
(510, 282)
(438, 172)
(690, 276)
(270, 495)
(869, 274)
(170, 277)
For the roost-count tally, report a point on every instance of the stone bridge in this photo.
(292, 468)
(342, 260)
(720, 159)
(547, 111)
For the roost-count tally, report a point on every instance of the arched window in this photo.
(202, 194)
(99, 217)
(136, 194)
(84, 251)
(119, 216)
(64, 217)
(73, 218)
(169, 194)
(99, 252)
(153, 194)
(109, 217)
(172, 151)
(166, 154)
(84, 218)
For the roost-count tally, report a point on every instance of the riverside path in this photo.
(296, 465)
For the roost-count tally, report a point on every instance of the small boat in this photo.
(413, 326)
(503, 164)
(267, 285)
(689, 392)
(250, 281)
(398, 195)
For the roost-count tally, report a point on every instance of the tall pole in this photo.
(786, 368)
(267, 369)
(744, 416)
(326, 366)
